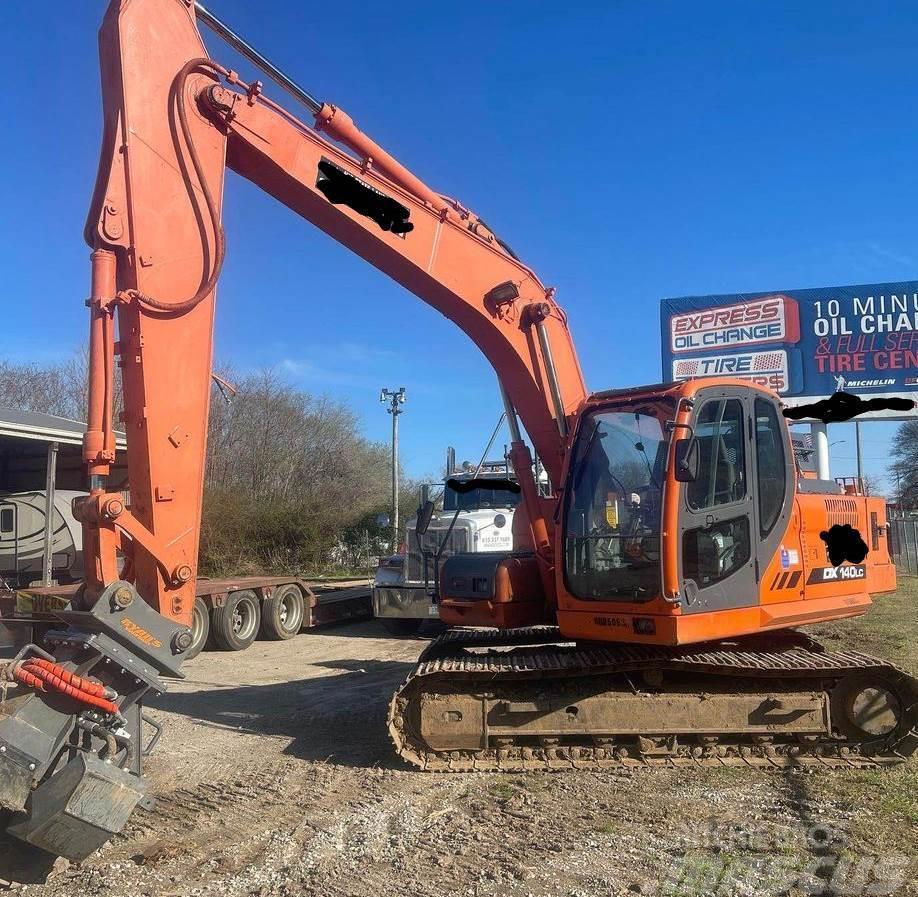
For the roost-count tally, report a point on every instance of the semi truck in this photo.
(480, 519)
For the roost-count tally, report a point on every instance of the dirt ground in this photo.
(275, 776)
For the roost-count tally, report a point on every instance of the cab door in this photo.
(774, 474)
(717, 510)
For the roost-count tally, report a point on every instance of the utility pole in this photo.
(47, 571)
(394, 398)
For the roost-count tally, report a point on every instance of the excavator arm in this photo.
(72, 737)
(173, 120)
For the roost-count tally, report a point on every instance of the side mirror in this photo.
(425, 512)
(687, 459)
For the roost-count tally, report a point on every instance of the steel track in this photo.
(483, 662)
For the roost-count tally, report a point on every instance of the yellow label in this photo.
(139, 633)
(40, 604)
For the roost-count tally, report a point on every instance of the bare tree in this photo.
(290, 482)
(55, 389)
(904, 470)
(289, 477)
(59, 389)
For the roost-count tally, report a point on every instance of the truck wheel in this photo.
(235, 625)
(400, 627)
(282, 613)
(200, 628)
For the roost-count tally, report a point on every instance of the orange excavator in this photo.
(647, 613)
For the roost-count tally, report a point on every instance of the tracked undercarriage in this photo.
(523, 699)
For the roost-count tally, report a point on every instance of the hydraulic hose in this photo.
(78, 682)
(210, 281)
(29, 673)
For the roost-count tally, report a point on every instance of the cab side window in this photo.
(722, 468)
(769, 453)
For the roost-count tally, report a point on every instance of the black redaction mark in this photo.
(482, 483)
(842, 406)
(342, 188)
(844, 543)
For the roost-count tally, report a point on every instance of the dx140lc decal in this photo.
(835, 574)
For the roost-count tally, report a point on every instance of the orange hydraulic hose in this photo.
(78, 682)
(36, 677)
(27, 678)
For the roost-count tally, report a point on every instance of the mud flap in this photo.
(77, 810)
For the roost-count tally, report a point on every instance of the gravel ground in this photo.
(275, 777)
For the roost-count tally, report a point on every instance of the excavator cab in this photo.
(683, 520)
(688, 454)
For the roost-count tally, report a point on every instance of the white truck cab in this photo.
(475, 520)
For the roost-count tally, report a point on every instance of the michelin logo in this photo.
(868, 384)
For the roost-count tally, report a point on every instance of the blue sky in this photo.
(628, 151)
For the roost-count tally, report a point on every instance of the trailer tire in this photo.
(282, 614)
(200, 628)
(235, 624)
(400, 627)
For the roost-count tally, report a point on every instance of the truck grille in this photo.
(458, 541)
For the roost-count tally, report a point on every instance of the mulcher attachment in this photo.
(71, 752)
(79, 808)
(523, 700)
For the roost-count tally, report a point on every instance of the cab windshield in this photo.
(614, 506)
(476, 499)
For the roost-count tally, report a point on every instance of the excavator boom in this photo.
(173, 119)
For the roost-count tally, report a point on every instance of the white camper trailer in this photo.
(22, 537)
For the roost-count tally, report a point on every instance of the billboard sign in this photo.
(804, 344)
(773, 319)
(769, 368)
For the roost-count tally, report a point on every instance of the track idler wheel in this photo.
(877, 711)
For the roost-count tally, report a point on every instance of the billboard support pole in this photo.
(820, 434)
(860, 466)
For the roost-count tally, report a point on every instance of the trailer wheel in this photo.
(282, 613)
(235, 624)
(200, 628)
